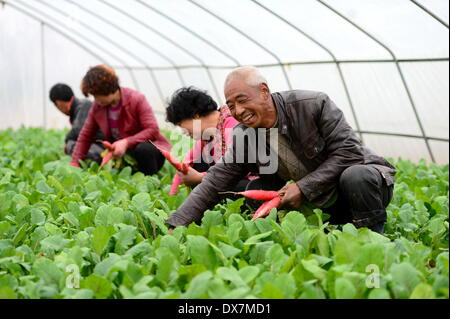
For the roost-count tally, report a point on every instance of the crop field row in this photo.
(97, 232)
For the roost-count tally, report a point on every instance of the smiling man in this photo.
(315, 147)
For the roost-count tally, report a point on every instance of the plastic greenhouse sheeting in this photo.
(384, 62)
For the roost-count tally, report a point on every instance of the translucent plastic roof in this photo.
(384, 62)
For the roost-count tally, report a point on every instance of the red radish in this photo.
(265, 208)
(182, 167)
(107, 145)
(106, 158)
(257, 194)
(173, 189)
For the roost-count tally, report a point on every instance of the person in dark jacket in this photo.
(211, 126)
(125, 118)
(77, 109)
(314, 147)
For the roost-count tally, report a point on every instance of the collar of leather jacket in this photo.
(281, 113)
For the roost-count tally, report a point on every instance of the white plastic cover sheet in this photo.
(158, 46)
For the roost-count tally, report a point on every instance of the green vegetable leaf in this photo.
(100, 238)
(101, 287)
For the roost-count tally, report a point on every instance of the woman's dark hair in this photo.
(188, 102)
(100, 80)
(61, 92)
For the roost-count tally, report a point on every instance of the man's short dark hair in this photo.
(61, 91)
(188, 102)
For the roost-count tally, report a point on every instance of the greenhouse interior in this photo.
(117, 230)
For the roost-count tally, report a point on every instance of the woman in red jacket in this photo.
(125, 118)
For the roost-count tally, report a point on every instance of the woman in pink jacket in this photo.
(125, 118)
(212, 127)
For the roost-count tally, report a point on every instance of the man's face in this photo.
(105, 100)
(62, 106)
(247, 104)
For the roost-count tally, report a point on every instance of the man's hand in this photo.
(120, 147)
(192, 178)
(291, 196)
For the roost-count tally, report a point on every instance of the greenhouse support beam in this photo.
(341, 75)
(44, 87)
(439, 139)
(145, 25)
(430, 13)
(158, 87)
(411, 100)
(249, 38)
(162, 35)
(79, 44)
(83, 37)
(62, 33)
(228, 67)
(195, 34)
(102, 36)
(163, 56)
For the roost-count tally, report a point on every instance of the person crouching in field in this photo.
(211, 127)
(125, 118)
(316, 149)
(77, 110)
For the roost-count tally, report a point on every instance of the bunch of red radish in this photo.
(272, 200)
(108, 154)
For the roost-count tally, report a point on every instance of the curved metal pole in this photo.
(398, 69)
(133, 78)
(123, 30)
(158, 88)
(197, 36)
(32, 16)
(145, 25)
(219, 67)
(344, 83)
(439, 139)
(62, 33)
(79, 34)
(174, 65)
(236, 62)
(44, 95)
(130, 35)
(430, 13)
(249, 38)
(152, 74)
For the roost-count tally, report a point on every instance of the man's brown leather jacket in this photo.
(319, 136)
